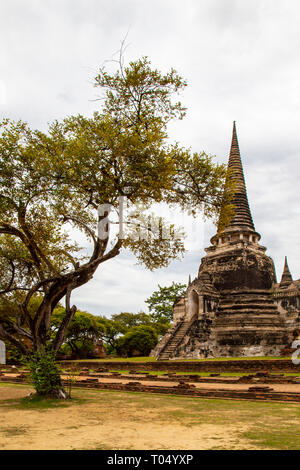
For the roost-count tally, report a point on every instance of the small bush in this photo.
(44, 372)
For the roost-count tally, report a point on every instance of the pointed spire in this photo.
(242, 216)
(286, 278)
(190, 281)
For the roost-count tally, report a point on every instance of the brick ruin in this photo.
(234, 307)
(259, 386)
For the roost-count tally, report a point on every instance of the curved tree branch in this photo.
(8, 288)
(5, 335)
(70, 312)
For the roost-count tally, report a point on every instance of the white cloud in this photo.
(2, 93)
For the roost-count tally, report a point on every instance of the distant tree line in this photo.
(124, 334)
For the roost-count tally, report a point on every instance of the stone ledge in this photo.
(240, 365)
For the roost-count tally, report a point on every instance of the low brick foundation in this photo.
(259, 377)
(182, 389)
(188, 390)
(270, 365)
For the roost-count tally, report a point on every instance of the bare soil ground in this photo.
(122, 420)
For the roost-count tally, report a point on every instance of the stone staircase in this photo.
(175, 340)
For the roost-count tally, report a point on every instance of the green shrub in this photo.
(44, 372)
(138, 341)
(13, 355)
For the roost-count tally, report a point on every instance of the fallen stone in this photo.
(260, 389)
(262, 374)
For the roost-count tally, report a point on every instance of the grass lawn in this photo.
(202, 374)
(100, 419)
(150, 359)
(117, 359)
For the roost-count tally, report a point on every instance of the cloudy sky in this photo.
(241, 61)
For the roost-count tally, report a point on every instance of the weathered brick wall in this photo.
(270, 365)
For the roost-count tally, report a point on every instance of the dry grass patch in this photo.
(98, 419)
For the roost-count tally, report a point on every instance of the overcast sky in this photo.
(241, 61)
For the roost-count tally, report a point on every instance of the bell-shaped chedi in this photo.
(247, 321)
(228, 309)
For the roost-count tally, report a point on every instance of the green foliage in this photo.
(110, 331)
(83, 330)
(160, 303)
(128, 320)
(122, 323)
(138, 341)
(138, 94)
(161, 327)
(13, 355)
(44, 372)
(80, 349)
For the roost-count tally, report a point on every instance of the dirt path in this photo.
(95, 425)
(10, 392)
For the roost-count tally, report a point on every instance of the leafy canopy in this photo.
(82, 333)
(138, 341)
(160, 303)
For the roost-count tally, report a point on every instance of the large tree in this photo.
(51, 181)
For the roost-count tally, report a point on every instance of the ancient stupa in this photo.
(230, 308)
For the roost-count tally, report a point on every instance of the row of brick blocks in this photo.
(270, 365)
(256, 393)
(259, 377)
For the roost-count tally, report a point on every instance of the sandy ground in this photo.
(94, 425)
(7, 393)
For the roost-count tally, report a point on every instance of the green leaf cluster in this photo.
(138, 341)
(160, 303)
(44, 372)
